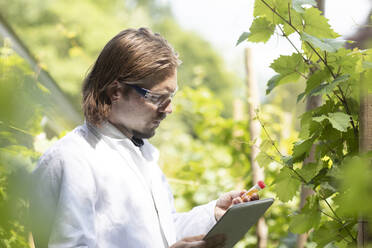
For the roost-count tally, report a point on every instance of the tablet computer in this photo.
(237, 220)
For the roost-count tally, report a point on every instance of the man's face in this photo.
(132, 114)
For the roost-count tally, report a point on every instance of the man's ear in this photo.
(114, 91)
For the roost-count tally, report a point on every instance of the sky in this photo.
(221, 22)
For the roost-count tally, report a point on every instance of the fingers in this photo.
(216, 241)
(237, 200)
(197, 244)
(245, 198)
(233, 194)
(191, 242)
(237, 197)
(194, 238)
(255, 197)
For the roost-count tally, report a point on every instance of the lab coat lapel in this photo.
(159, 192)
(164, 212)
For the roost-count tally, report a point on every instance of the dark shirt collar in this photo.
(137, 141)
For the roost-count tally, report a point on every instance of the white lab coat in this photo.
(95, 188)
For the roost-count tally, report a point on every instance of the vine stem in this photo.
(344, 102)
(276, 148)
(330, 216)
(298, 51)
(268, 135)
(338, 218)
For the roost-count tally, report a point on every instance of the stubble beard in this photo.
(143, 135)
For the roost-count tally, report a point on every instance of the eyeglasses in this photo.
(158, 99)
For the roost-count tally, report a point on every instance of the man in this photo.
(100, 185)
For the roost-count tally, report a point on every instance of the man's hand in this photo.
(198, 242)
(228, 199)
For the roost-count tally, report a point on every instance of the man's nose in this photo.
(166, 107)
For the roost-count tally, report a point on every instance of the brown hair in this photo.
(132, 55)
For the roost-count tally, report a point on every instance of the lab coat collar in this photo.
(149, 152)
(107, 129)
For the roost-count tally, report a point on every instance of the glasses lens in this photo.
(165, 102)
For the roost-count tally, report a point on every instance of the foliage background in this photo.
(211, 151)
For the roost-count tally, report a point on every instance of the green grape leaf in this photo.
(272, 83)
(340, 79)
(320, 118)
(260, 9)
(289, 69)
(308, 171)
(316, 79)
(330, 231)
(301, 149)
(300, 96)
(328, 45)
(286, 185)
(308, 218)
(287, 64)
(322, 89)
(296, 21)
(264, 9)
(263, 159)
(343, 244)
(300, 223)
(316, 24)
(326, 234)
(327, 88)
(297, 4)
(306, 119)
(243, 37)
(261, 30)
(339, 121)
(266, 145)
(287, 160)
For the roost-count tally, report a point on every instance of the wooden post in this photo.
(311, 103)
(361, 39)
(365, 145)
(255, 130)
